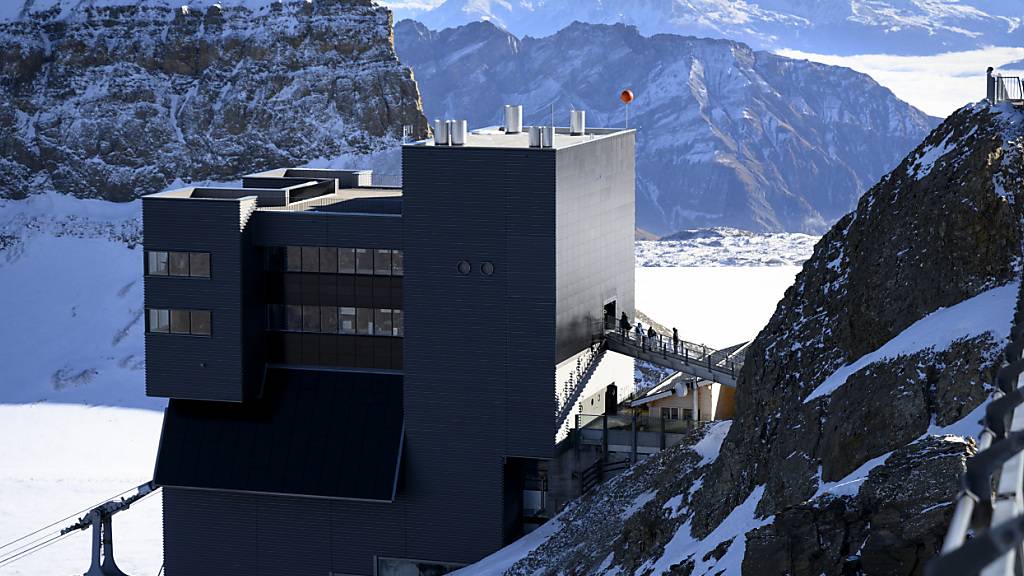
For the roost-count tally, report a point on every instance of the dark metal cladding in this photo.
(511, 255)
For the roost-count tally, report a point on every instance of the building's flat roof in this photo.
(494, 137)
(377, 201)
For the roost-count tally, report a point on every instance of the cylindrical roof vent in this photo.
(548, 136)
(534, 136)
(578, 122)
(513, 119)
(440, 132)
(457, 132)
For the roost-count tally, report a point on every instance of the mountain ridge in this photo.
(728, 136)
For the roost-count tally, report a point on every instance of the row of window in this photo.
(162, 263)
(377, 262)
(177, 321)
(335, 320)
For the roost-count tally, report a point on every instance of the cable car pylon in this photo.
(100, 519)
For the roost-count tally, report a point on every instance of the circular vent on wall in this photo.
(464, 267)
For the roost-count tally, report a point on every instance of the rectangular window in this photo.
(179, 322)
(382, 322)
(669, 413)
(364, 321)
(199, 264)
(328, 319)
(382, 262)
(293, 318)
(200, 322)
(293, 259)
(156, 263)
(178, 263)
(397, 263)
(159, 321)
(196, 322)
(397, 323)
(310, 318)
(329, 260)
(364, 261)
(346, 261)
(347, 320)
(310, 259)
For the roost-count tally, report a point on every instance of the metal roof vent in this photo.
(548, 136)
(578, 122)
(457, 132)
(513, 119)
(535, 137)
(440, 132)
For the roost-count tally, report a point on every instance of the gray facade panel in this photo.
(595, 233)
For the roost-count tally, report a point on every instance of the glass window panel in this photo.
(201, 322)
(310, 259)
(397, 323)
(382, 322)
(179, 263)
(310, 318)
(347, 320)
(157, 264)
(199, 264)
(293, 318)
(275, 317)
(364, 321)
(382, 262)
(346, 261)
(364, 261)
(293, 259)
(158, 321)
(329, 260)
(329, 319)
(397, 263)
(179, 322)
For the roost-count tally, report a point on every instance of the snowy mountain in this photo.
(859, 401)
(728, 136)
(824, 26)
(114, 99)
(725, 247)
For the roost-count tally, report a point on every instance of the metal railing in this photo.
(569, 392)
(995, 518)
(1007, 88)
(686, 353)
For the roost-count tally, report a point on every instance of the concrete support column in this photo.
(694, 401)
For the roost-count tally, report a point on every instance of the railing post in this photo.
(604, 437)
(632, 459)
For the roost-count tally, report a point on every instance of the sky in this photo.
(937, 84)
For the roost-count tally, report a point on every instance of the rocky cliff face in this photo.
(114, 100)
(727, 136)
(858, 402)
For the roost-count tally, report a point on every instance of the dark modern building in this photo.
(362, 379)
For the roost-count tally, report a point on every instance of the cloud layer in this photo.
(937, 84)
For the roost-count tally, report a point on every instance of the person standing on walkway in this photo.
(675, 341)
(639, 329)
(650, 337)
(624, 325)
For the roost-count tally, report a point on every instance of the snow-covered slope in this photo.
(74, 269)
(115, 99)
(726, 136)
(824, 26)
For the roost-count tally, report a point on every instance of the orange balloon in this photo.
(626, 96)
